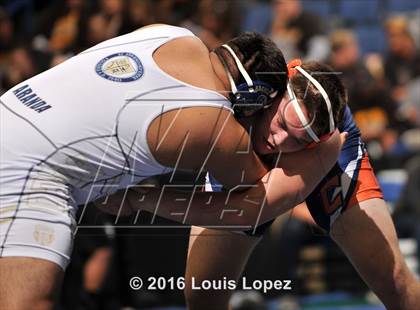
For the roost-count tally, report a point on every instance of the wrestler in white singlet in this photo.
(77, 132)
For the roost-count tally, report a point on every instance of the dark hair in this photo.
(312, 99)
(261, 58)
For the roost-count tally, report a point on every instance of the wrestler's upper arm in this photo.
(206, 139)
(233, 160)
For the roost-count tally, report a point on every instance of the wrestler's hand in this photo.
(343, 138)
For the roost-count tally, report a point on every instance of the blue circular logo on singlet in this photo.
(120, 67)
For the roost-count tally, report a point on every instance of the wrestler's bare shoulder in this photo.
(187, 59)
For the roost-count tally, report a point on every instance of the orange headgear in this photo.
(291, 70)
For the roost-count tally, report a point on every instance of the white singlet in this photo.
(77, 132)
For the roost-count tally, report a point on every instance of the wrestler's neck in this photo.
(220, 72)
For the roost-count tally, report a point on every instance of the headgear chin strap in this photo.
(251, 96)
(293, 68)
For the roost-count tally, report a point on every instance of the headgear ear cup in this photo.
(247, 103)
(250, 97)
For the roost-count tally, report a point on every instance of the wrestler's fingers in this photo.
(343, 138)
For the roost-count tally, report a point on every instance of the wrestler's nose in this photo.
(279, 137)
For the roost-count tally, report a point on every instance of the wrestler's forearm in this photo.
(196, 207)
(276, 193)
(272, 196)
(246, 205)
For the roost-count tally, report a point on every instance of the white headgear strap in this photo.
(240, 68)
(306, 125)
